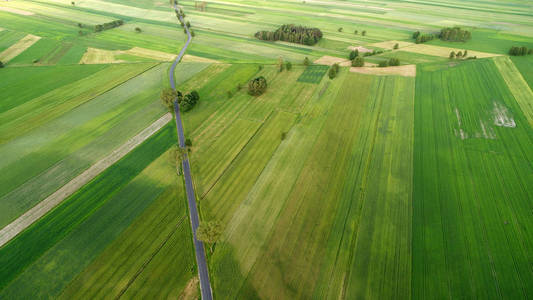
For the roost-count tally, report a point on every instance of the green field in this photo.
(471, 210)
(65, 241)
(359, 187)
(313, 74)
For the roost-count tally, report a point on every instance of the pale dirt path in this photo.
(35, 213)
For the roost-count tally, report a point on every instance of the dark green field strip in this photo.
(472, 197)
(44, 234)
(525, 65)
(14, 84)
(8, 38)
(137, 248)
(313, 74)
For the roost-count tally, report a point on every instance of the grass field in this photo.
(58, 152)
(410, 182)
(471, 209)
(65, 241)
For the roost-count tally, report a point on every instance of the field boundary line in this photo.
(237, 155)
(149, 260)
(16, 49)
(31, 216)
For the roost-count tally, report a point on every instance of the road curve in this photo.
(205, 286)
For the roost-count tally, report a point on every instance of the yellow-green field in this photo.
(404, 182)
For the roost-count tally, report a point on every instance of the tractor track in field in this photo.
(201, 261)
(35, 213)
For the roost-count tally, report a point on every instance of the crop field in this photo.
(250, 185)
(411, 181)
(94, 216)
(42, 157)
(472, 191)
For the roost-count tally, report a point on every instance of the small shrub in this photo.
(1, 64)
(363, 33)
(340, 29)
(383, 64)
(394, 62)
(230, 94)
(283, 135)
(355, 32)
(358, 62)
(307, 62)
(138, 30)
(396, 46)
(353, 54)
(288, 66)
(188, 142)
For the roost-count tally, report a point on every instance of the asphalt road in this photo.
(201, 261)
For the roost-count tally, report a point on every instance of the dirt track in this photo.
(35, 213)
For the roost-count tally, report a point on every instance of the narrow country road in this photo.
(205, 286)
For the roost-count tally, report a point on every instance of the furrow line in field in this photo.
(20, 224)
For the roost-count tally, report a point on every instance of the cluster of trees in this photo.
(292, 33)
(455, 34)
(357, 60)
(333, 71)
(422, 37)
(257, 86)
(391, 62)
(187, 102)
(460, 54)
(374, 52)
(520, 51)
(108, 25)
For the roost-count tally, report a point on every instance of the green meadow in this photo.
(375, 184)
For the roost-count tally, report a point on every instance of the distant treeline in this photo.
(292, 33)
(520, 51)
(451, 34)
(455, 34)
(109, 25)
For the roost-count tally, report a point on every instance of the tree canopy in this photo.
(257, 86)
(168, 96)
(292, 33)
(358, 62)
(455, 34)
(209, 232)
(520, 51)
(188, 101)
